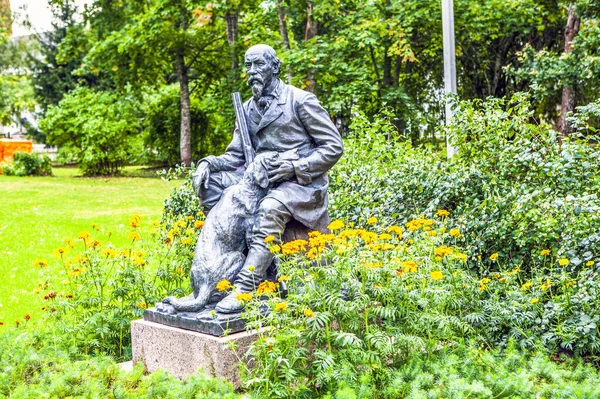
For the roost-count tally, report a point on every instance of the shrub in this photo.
(512, 189)
(26, 164)
(96, 127)
(103, 288)
(382, 293)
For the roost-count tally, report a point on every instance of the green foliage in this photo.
(362, 302)
(105, 287)
(512, 189)
(25, 164)
(97, 127)
(32, 366)
(163, 120)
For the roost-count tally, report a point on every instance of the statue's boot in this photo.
(253, 272)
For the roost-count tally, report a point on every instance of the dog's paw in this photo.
(165, 308)
(169, 300)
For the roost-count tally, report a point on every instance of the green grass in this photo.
(38, 213)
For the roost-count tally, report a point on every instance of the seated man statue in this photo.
(280, 118)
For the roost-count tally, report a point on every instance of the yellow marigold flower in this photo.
(377, 286)
(368, 237)
(200, 213)
(460, 256)
(283, 278)
(443, 251)
(443, 213)
(135, 221)
(142, 305)
(190, 232)
(281, 306)
(275, 249)
(372, 220)
(387, 246)
(293, 247)
(244, 297)
(180, 271)
(135, 236)
(336, 225)
(186, 241)
(455, 233)
(269, 239)
(436, 275)
(155, 223)
(199, 224)
(83, 235)
(76, 271)
(385, 237)
(109, 253)
(534, 301)
(494, 256)
(223, 285)
(589, 263)
(139, 261)
(314, 234)
(308, 313)
(312, 254)
(94, 244)
(40, 263)
(432, 233)
(545, 252)
(395, 229)
(409, 266)
(70, 242)
(266, 287)
(341, 249)
(442, 230)
(60, 252)
(563, 262)
(485, 280)
(546, 285)
(527, 286)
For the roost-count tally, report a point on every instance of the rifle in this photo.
(243, 127)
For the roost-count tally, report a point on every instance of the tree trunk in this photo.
(283, 31)
(185, 140)
(231, 22)
(568, 93)
(312, 28)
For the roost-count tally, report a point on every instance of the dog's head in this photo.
(258, 171)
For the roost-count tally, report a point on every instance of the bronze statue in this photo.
(295, 143)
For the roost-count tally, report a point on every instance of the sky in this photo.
(38, 13)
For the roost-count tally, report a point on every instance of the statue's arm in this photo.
(329, 148)
(231, 159)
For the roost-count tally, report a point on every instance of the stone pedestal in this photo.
(182, 352)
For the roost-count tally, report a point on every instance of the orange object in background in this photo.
(8, 147)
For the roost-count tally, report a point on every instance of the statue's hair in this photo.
(270, 55)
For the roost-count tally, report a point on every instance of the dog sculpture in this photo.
(219, 253)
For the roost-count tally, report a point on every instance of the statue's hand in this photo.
(201, 176)
(281, 171)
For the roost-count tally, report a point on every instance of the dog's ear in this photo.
(261, 175)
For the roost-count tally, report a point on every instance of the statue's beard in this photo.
(257, 85)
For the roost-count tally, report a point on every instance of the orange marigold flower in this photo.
(244, 297)
(223, 285)
(199, 224)
(436, 275)
(266, 287)
(336, 225)
(443, 213)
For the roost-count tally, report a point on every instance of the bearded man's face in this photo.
(260, 72)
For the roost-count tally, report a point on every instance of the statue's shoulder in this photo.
(297, 94)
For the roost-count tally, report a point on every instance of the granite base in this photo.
(183, 352)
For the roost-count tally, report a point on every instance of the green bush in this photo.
(33, 366)
(97, 128)
(512, 188)
(26, 164)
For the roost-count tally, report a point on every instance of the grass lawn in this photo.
(38, 213)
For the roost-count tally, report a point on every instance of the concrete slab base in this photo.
(182, 352)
